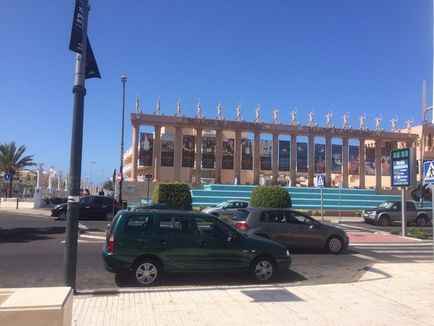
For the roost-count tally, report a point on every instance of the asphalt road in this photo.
(32, 252)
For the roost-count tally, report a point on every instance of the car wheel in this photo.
(384, 221)
(263, 269)
(62, 215)
(422, 221)
(146, 272)
(108, 216)
(335, 245)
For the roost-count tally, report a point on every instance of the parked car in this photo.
(291, 228)
(149, 206)
(390, 212)
(101, 207)
(228, 207)
(148, 243)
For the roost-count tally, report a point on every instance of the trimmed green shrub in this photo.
(174, 195)
(418, 233)
(270, 196)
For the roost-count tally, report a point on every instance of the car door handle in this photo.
(163, 242)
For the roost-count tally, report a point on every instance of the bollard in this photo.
(17, 202)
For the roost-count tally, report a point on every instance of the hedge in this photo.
(174, 195)
(270, 196)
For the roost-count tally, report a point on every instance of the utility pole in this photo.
(79, 91)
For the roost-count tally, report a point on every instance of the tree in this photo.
(108, 185)
(12, 160)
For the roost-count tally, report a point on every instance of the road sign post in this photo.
(428, 172)
(320, 178)
(403, 174)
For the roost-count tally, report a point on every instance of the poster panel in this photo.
(188, 151)
(353, 162)
(370, 161)
(284, 150)
(385, 161)
(228, 153)
(208, 150)
(246, 154)
(336, 158)
(319, 158)
(265, 154)
(167, 149)
(301, 157)
(145, 149)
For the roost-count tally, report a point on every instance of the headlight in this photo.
(287, 253)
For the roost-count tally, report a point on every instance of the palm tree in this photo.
(12, 160)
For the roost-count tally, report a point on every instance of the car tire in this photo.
(422, 221)
(263, 269)
(146, 272)
(384, 221)
(61, 216)
(108, 216)
(335, 245)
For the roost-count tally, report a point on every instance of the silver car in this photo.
(229, 207)
(291, 228)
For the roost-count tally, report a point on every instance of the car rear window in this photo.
(139, 224)
(241, 215)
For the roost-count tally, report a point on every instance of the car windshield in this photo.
(222, 204)
(386, 205)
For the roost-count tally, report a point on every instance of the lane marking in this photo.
(382, 244)
(364, 257)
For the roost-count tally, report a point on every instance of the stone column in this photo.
(135, 151)
(293, 167)
(198, 155)
(274, 162)
(218, 155)
(256, 158)
(344, 162)
(378, 144)
(178, 154)
(328, 161)
(237, 157)
(310, 165)
(362, 163)
(156, 153)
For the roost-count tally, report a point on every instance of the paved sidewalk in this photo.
(385, 294)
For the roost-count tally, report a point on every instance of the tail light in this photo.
(111, 243)
(243, 226)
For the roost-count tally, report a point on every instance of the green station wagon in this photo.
(149, 242)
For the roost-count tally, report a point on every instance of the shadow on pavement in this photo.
(210, 279)
(28, 234)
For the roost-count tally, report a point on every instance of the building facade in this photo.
(198, 150)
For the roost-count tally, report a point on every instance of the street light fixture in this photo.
(123, 80)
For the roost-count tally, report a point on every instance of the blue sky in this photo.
(357, 56)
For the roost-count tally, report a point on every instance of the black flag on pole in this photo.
(92, 70)
(76, 40)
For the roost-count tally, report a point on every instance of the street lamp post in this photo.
(123, 80)
(90, 181)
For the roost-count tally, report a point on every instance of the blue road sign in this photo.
(7, 176)
(428, 171)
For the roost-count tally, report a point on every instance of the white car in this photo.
(226, 208)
